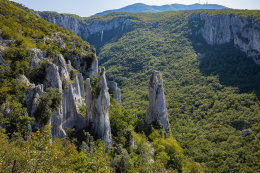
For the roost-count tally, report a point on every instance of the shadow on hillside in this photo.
(232, 66)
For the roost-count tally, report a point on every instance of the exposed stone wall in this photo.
(115, 91)
(157, 107)
(220, 29)
(98, 103)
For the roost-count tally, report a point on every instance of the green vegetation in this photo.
(82, 109)
(94, 86)
(38, 154)
(210, 102)
(254, 14)
(49, 103)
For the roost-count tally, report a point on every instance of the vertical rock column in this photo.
(157, 107)
(115, 91)
(98, 102)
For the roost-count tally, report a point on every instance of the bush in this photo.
(169, 153)
(19, 59)
(94, 86)
(65, 83)
(49, 103)
(82, 110)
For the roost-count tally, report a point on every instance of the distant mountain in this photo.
(140, 7)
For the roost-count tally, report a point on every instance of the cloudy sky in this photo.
(90, 7)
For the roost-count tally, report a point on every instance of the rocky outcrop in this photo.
(98, 103)
(94, 31)
(58, 76)
(37, 55)
(115, 91)
(246, 133)
(32, 97)
(2, 61)
(157, 110)
(82, 28)
(65, 21)
(243, 32)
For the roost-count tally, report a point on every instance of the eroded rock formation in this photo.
(243, 32)
(98, 102)
(86, 30)
(115, 91)
(70, 83)
(157, 110)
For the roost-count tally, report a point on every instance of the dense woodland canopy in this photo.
(210, 101)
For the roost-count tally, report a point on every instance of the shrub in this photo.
(49, 103)
(82, 110)
(94, 86)
(65, 83)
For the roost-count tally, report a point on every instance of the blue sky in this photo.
(90, 7)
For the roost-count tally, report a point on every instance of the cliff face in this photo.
(115, 91)
(94, 31)
(221, 29)
(98, 103)
(58, 75)
(64, 21)
(157, 107)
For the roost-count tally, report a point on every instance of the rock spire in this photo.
(157, 109)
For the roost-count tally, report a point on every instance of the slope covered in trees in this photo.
(25, 150)
(211, 101)
(212, 94)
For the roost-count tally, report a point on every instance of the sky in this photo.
(87, 8)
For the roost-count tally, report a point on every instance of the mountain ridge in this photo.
(140, 7)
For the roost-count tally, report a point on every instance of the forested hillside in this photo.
(41, 73)
(212, 91)
(212, 94)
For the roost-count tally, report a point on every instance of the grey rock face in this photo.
(32, 96)
(157, 107)
(64, 21)
(2, 61)
(99, 26)
(93, 68)
(52, 78)
(24, 79)
(58, 73)
(246, 132)
(220, 29)
(37, 55)
(73, 96)
(97, 109)
(85, 30)
(115, 91)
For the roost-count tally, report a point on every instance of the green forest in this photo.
(210, 101)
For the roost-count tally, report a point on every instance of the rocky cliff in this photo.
(95, 31)
(244, 33)
(58, 75)
(114, 91)
(98, 103)
(157, 110)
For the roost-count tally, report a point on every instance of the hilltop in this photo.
(140, 7)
